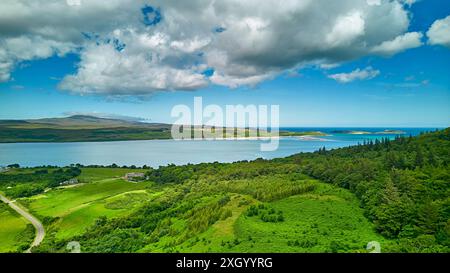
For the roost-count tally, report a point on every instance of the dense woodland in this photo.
(404, 185)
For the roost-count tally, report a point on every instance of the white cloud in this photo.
(410, 2)
(346, 29)
(190, 45)
(326, 66)
(373, 2)
(234, 82)
(5, 70)
(104, 70)
(27, 48)
(257, 39)
(358, 74)
(439, 32)
(400, 43)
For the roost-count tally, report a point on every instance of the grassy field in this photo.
(77, 207)
(15, 232)
(95, 174)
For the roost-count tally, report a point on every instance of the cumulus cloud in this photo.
(346, 29)
(104, 70)
(439, 32)
(373, 2)
(398, 44)
(378, 2)
(28, 48)
(358, 74)
(139, 46)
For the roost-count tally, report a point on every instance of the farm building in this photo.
(72, 181)
(135, 176)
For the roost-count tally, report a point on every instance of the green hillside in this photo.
(79, 128)
(395, 192)
(15, 233)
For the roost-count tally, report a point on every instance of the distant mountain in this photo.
(80, 128)
(78, 119)
(77, 122)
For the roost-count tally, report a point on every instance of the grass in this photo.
(76, 222)
(14, 231)
(327, 220)
(13, 135)
(60, 202)
(77, 207)
(322, 221)
(95, 174)
(222, 231)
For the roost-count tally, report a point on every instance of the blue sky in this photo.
(411, 89)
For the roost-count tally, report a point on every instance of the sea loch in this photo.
(156, 153)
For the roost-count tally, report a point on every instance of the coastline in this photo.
(167, 151)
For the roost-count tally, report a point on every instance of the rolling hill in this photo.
(84, 128)
(79, 128)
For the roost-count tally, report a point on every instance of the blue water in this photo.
(163, 152)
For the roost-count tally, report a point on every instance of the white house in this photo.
(72, 181)
(135, 176)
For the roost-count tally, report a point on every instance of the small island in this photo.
(384, 132)
(349, 132)
(307, 133)
(391, 132)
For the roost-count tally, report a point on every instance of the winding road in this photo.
(40, 231)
